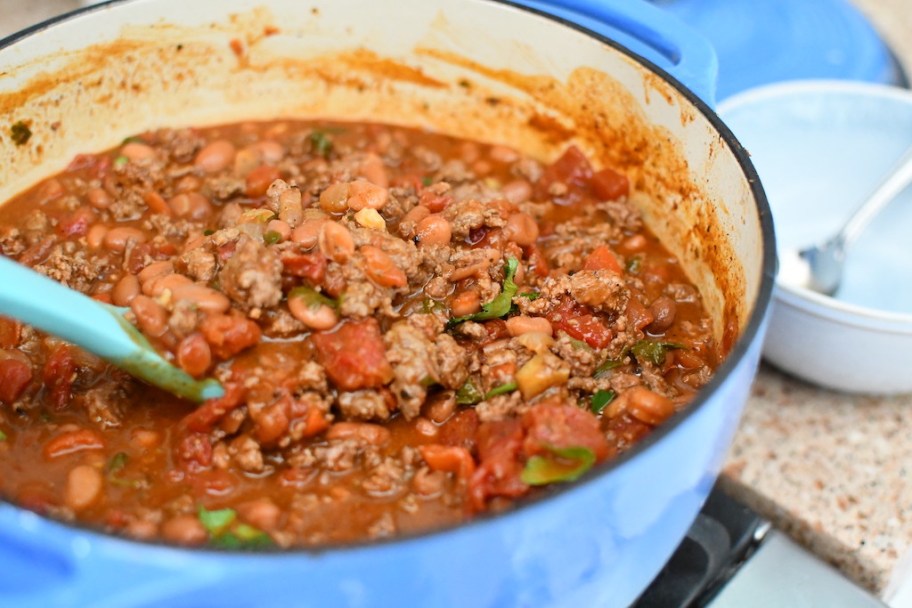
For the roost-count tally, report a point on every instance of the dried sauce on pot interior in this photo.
(411, 329)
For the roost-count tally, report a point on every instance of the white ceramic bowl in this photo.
(820, 147)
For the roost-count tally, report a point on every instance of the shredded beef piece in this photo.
(363, 405)
(199, 263)
(11, 241)
(252, 276)
(600, 289)
(71, 266)
(422, 356)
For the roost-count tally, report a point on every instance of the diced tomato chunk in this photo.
(572, 169)
(602, 258)
(310, 266)
(76, 223)
(460, 429)
(194, 452)
(499, 469)
(58, 375)
(561, 425)
(609, 185)
(15, 376)
(204, 417)
(579, 322)
(229, 334)
(10, 332)
(354, 355)
(448, 458)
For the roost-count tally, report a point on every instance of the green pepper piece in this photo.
(216, 522)
(321, 143)
(562, 464)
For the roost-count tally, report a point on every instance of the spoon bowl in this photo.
(101, 329)
(820, 147)
(820, 267)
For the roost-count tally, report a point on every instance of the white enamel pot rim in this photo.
(734, 362)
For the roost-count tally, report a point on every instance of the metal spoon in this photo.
(101, 329)
(820, 267)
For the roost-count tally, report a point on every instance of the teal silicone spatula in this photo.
(99, 328)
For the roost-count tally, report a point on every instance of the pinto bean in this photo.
(190, 205)
(362, 194)
(261, 513)
(125, 290)
(633, 244)
(194, 355)
(648, 406)
(135, 150)
(96, 235)
(372, 170)
(426, 427)
(270, 151)
(433, 230)
(522, 324)
(464, 303)
(205, 298)
(184, 530)
(215, 156)
(663, 310)
(334, 199)
(117, 238)
(440, 407)
(279, 227)
(151, 317)
(517, 191)
(381, 269)
(336, 242)
(290, 209)
(522, 229)
(155, 270)
(98, 198)
(83, 487)
(373, 434)
(308, 233)
(156, 203)
(320, 317)
(409, 222)
(157, 286)
(503, 154)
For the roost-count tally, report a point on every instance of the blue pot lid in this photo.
(775, 40)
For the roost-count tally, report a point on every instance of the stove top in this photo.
(733, 558)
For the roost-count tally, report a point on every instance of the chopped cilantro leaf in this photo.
(468, 394)
(654, 352)
(118, 461)
(530, 295)
(313, 298)
(427, 180)
(600, 400)
(500, 305)
(503, 389)
(321, 143)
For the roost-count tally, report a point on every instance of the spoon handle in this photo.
(43, 303)
(899, 177)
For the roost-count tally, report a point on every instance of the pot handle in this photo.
(648, 31)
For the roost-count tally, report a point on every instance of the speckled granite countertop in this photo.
(832, 470)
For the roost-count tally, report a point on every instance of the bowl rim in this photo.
(807, 300)
(753, 329)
